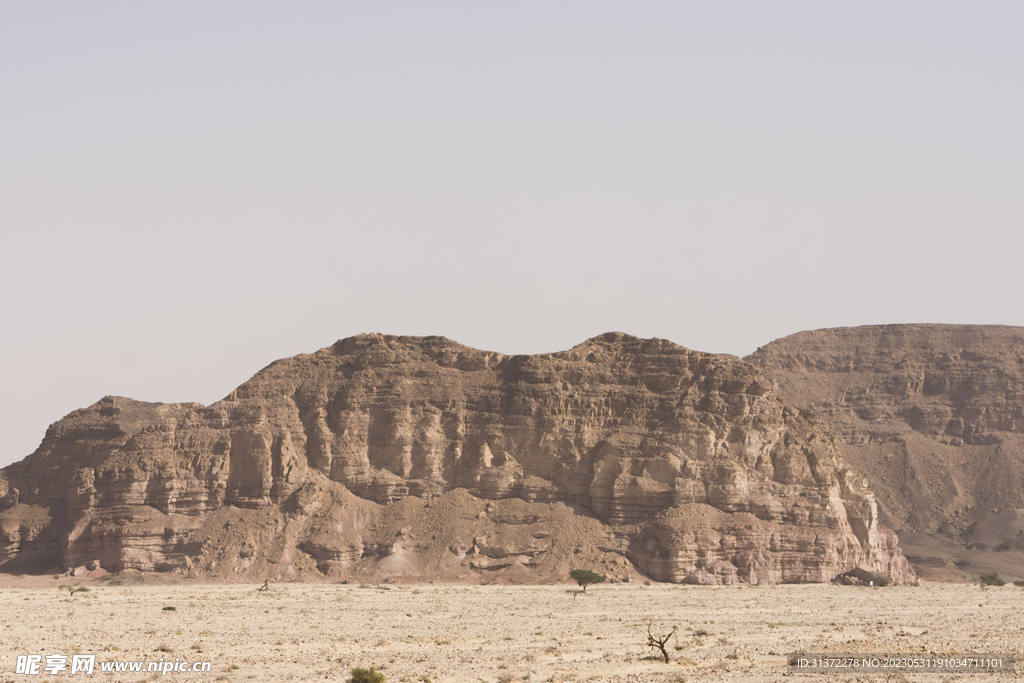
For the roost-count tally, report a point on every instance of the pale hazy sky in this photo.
(191, 190)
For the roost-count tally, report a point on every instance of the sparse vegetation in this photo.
(1019, 584)
(371, 675)
(877, 579)
(585, 577)
(169, 608)
(992, 580)
(656, 642)
(603, 641)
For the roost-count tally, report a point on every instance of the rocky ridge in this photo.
(933, 416)
(418, 457)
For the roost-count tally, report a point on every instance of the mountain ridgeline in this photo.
(417, 458)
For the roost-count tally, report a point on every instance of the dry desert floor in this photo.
(306, 632)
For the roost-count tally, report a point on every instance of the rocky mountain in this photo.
(418, 457)
(933, 416)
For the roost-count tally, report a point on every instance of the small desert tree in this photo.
(659, 641)
(585, 577)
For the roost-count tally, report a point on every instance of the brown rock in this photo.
(419, 457)
(933, 416)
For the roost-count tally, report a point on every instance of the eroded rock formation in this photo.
(409, 456)
(933, 416)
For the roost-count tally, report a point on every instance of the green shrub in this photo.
(1019, 584)
(361, 675)
(170, 608)
(992, 580)
(878, 579)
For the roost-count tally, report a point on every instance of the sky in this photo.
(191, 190)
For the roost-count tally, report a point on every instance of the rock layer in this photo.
(417, 456)
(933, 415)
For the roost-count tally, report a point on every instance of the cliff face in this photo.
(388, 455)
(933, 416)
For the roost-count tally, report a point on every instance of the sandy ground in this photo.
(305, 632)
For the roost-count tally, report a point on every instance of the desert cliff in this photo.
(933, 417)
(385, 456)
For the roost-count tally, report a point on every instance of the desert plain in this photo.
(449, 633)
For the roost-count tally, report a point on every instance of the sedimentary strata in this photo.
(420, 457)
(933, 416)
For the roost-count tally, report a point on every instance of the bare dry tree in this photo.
(265, 586)
(655, 641)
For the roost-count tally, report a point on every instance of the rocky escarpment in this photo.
(412, 456)
(933, 416)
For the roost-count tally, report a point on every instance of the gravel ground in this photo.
(300, 632)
